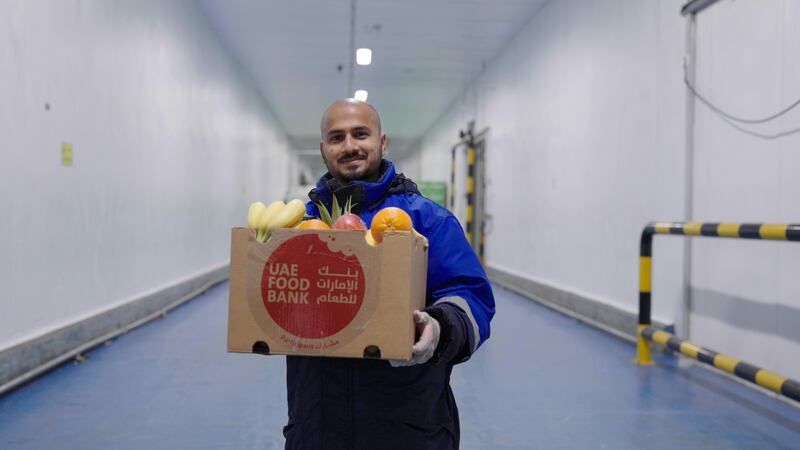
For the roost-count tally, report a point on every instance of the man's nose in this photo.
(349, 143)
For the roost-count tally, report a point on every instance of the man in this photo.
(337, 403)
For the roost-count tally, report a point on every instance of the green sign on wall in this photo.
(434, 190)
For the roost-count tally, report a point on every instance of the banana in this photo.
(289, 216)
(424, 239)
(279, 215)
(370, 240)
(266, 218)
(253, 213)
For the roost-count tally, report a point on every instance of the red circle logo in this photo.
(310, 291)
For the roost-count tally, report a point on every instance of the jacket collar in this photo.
(363, 194)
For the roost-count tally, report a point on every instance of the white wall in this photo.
(586, 111)
(171, 143)
(747, 293)
(587, 116)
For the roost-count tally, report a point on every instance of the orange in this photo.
(313, 224)
(390, 219)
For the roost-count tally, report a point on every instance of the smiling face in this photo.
(352, 143)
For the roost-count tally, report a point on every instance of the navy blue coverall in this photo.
(338, 403)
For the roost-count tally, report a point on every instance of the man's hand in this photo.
(429, 331)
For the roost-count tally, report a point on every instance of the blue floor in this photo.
(543, 381)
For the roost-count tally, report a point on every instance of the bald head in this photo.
(353, 105)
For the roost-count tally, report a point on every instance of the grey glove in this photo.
(429, 332)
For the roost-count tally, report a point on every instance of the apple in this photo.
(349, 221)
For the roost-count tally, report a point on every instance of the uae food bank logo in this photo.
(311, 291)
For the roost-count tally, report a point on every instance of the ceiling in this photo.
(424, 51)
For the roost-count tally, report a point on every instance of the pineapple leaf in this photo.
(348, 207)
(337, 210)
(324, 215)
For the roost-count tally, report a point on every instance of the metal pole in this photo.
(481, 201)
(754, 374)
(471, 191)
(645, 287)
(453, 178)
(688, 199)
(695, 6)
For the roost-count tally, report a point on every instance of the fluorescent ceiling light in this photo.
(361, 95)
(363, 56)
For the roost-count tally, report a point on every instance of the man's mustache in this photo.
(352, 156)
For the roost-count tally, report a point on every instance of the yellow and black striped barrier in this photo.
(453, 180)
(470, 191)
(646, 333)
(762, 377)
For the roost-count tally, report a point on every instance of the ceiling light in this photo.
(363, 56)
(361, 95)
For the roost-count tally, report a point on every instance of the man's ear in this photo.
(384, 144)
(322, 153)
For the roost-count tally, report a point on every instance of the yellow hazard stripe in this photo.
(470, 185)
(728, 229)
(689, 349)
(692, 228)
(662, 227)
(642, 347)
(726, 363)
(661, 338)
(471, 156)
(645, 273)
(773, 231)
(770, 380)
(469, 214)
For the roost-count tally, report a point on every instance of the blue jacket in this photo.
(353, 403)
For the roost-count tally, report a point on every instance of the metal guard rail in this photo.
(646, 333)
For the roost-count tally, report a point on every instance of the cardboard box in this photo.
(325, 293)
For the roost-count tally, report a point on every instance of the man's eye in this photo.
(335, 138)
